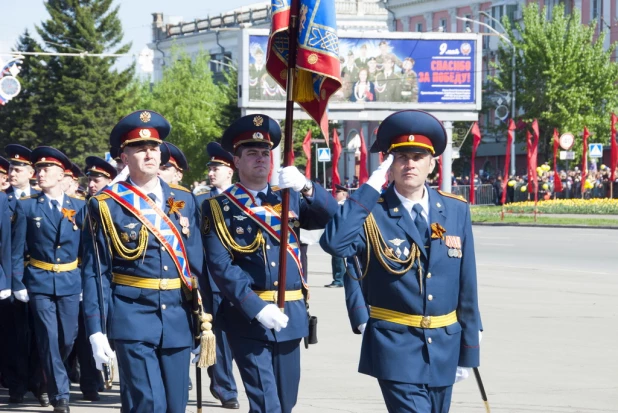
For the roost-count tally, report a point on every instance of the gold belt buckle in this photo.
(56, 268)
(426, 321)
(163, 284)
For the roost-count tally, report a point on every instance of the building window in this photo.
(419, 27)
(596, 8)
(443, 25)
(467, 25)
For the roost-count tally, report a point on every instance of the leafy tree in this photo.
(190, 100)
(565, 78)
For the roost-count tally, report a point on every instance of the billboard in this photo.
(381, 72)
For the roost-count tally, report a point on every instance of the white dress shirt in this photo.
(409, 204)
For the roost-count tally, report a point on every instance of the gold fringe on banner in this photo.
(303, 86)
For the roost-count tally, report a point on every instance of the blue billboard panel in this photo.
(424, 71)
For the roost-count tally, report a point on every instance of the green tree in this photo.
(21, 116)
(189, 99)
(565, 77)
(86, 95)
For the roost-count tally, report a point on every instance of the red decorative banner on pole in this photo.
(507, 159)
(613, 162)
(533, 160)
(307, 150)
(557, 181)
(336, 179)
(363, 173)
(476, 140)
(584, 161)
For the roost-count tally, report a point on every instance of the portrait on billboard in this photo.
(423, 71)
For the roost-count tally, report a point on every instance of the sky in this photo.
(136, 17)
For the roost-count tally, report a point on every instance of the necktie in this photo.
(153, 197)
(55, 212)
(421, 223)
(263, 198)
(23, 194)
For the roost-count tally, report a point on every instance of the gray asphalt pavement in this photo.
(549, 302)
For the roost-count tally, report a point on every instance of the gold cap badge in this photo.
(144, 117)
(258, 121)
(144, 133)
(411, 138)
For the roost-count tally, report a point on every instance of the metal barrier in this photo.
(483, 194)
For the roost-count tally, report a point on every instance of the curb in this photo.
(516, 224)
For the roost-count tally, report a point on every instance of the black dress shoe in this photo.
(92, 396)
(230, 404)
(190, 384)
(43, 399)
(62, 406)
(16, 399)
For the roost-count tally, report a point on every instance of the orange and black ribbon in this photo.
(175, 206)
(437, 231)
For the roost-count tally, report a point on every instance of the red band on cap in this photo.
(251, 136)
(174, 163)
(140, 134)
(101, 171)
(220, 160)
(411, 140)
(50, 160)
(2, 170)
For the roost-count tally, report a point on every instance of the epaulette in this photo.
(275, 188)
(179, 187)
(449, 195)
(202, 192)
(31, 196)
(101, 197)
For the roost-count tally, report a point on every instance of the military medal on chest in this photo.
(174, 208)
(454, 246)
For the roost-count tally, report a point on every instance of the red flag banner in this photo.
(507, 159)
(476, 140)
(363, 173)
(557, 181)
(307, 150)
(533, 177)
(336, 154)
(613, 161)
(584, 160)
(318, 74)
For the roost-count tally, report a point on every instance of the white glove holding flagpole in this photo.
(271, 317)
(101, 351)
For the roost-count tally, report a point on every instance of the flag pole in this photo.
(288, 150)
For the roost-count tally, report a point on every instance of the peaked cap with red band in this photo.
(252, 130)
(411, 131)
(18, 154)
(219, 156)
(4, 165)
(142, 126)
(174, 157)
(96, 166)
(46, 155)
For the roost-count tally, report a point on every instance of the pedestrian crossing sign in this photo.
(595, 150)
(323, 154)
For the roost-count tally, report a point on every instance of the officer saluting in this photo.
(241, 240)
(419, 270)
(149, 246)
(49, 225)
(222, 383)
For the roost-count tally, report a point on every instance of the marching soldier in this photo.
(222, 383)
(4, 174)
(148, 247)
(418, 270)
(241, 241)
(338, 263)
(100, 173)
(22, 371)
(172, 171)
(47, 225)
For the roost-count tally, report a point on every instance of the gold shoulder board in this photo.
(101, 197)
(449, 195)
(275, 188)
(179, 187)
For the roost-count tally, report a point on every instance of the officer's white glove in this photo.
(462, 374)
(4, 294)
(290, 177)
(196, 353)
(378, 177)
(272, 317)
(81, 296)
(101, 350)
(22, 295)
(362, 327)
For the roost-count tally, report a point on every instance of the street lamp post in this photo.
(508, 41)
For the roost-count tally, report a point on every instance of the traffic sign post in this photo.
(595, 150)
(324, 154)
